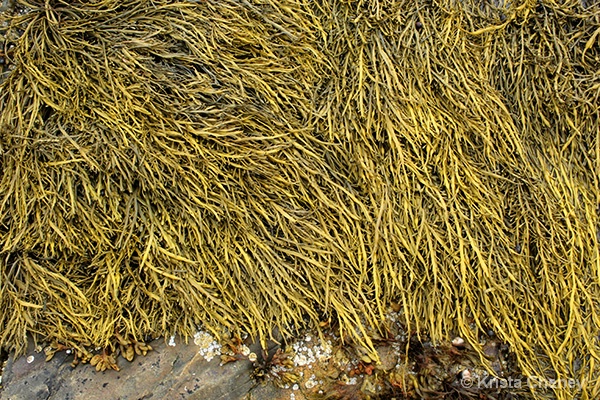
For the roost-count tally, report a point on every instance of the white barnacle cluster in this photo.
(352, 381)
(307, 352)
(393, 316)
(245, 350)
(209, 347)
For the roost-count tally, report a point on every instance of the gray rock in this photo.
(166, 373)
(7, 5)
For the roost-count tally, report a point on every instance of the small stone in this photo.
(491, 350)
(458, 342)
(252, 357)
(497, 367)
(465, 374)
(30, 359)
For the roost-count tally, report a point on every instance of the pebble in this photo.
(458, 342)
(491, 349)
(465, 374)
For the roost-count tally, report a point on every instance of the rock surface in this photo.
(306, 366)
(178, 372)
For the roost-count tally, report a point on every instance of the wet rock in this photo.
(7, 5)
(178, 372)
(491, 349)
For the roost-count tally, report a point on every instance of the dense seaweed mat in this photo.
(251, 164)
